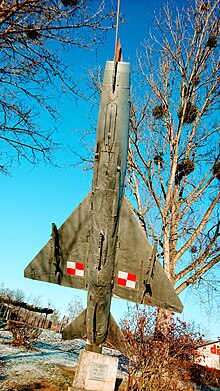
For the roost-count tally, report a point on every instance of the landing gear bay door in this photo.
(139, 276)
(63, 260)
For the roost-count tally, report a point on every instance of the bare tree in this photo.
(19, 295)
(174, 157)
(75, 307)
(33, 35)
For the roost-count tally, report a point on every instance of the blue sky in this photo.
(34, 197)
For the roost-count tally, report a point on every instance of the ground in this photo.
(49, 366)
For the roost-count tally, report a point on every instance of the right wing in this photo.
(139, 276)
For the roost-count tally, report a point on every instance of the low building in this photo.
(210, 354)
(26, 314)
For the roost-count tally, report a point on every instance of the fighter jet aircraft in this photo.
(102, 247)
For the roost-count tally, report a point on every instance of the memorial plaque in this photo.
(95, 372)
(98, 372)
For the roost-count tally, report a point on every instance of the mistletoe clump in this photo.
(67, 3)
(159, 111)
(212, 41)
(190, 113)
(216, 169)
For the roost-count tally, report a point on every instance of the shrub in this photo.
(159, 362)
(23, 334)
(205, 377)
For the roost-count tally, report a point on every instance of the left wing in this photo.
(63, 260)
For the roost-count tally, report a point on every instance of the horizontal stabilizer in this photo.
(115, 337)
(77, 328)
(63, 260)
(139, 276)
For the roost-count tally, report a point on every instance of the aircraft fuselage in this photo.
(107, 190)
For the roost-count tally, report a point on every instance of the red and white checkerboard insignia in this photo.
(76, 269)
(127, 279)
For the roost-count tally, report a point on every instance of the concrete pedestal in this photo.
(95, 372)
